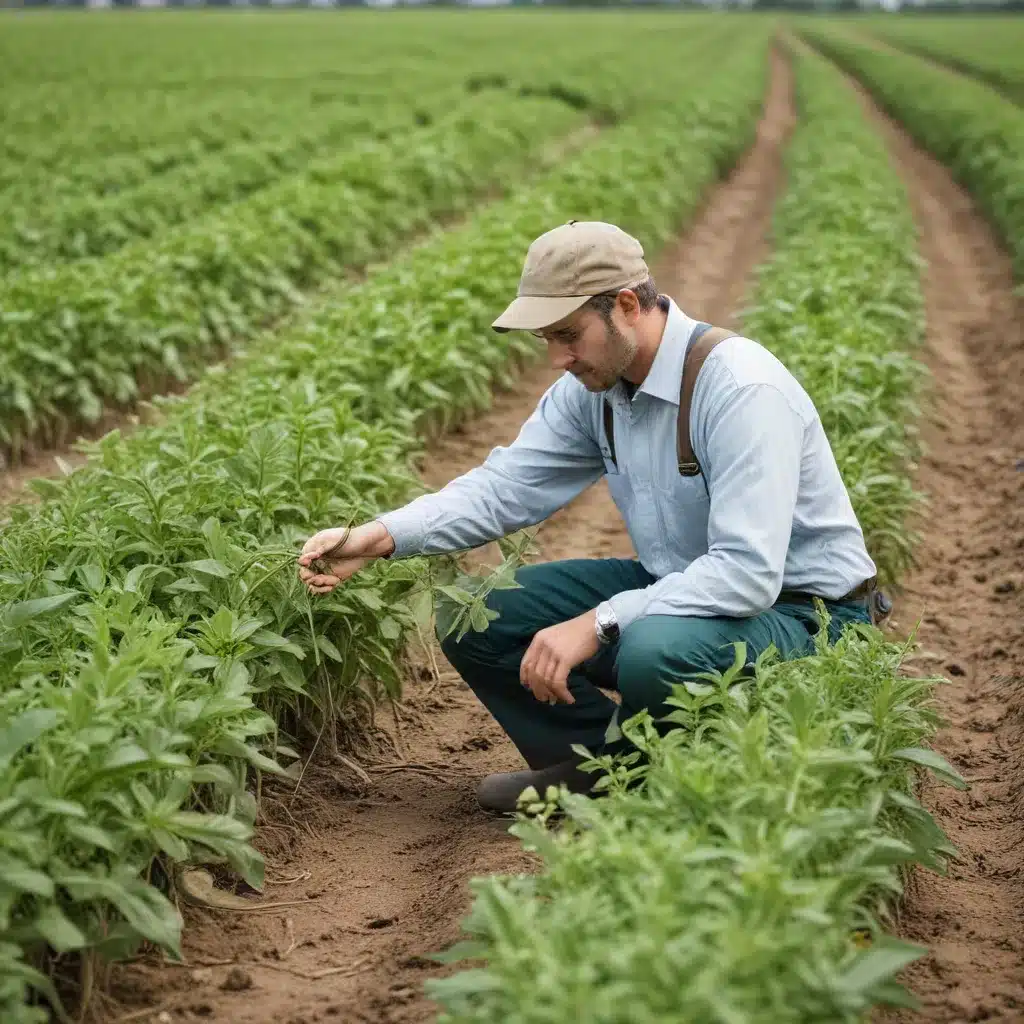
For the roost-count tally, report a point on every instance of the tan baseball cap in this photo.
(569, 265)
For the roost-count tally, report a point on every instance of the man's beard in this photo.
(620, 350)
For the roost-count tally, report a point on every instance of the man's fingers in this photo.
(526, 665)
(323, 543)
(545, 664)
(542, 677)
(529, 676)
(313, 548)
(558, 684)
(321, 583)
(325, 580)
(308, 557)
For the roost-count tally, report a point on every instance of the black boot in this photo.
(500, 792)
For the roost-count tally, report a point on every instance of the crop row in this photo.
(208, 122)
(79, 336)
(846, 318)
(976, 132)
(97, 117)
(115, 138)
(84, 225)
(67, 176)
(151, 601)
(138, 105)
(987, 48)
(747, 879)
(118, 200)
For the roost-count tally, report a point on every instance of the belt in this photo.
(862, 592)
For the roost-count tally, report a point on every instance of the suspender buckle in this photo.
(689, 468)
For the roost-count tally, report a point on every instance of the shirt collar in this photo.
(666, 372)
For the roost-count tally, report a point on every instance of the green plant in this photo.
(59, 229)
(965, 124)
(988, 48)
(158, 583)
(746, 881)
(78, 336)
(839, 301)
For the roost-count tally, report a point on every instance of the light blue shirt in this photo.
(774, 512)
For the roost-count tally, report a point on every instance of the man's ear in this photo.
(629, 305)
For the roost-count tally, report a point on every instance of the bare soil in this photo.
(967, 595)
(380, 873)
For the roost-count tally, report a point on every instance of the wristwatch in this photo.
(607, 626)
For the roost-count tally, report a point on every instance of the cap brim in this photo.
(534, 312)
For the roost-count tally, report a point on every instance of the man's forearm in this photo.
(434, 524)
(551, 461)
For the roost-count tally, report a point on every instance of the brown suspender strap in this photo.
(700, 348)
(705, 338)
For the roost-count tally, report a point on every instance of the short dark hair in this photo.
(646, 293)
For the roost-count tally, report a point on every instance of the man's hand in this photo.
(554, 653)
(344, 552)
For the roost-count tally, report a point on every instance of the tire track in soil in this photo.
(967, 593)
(385, 869)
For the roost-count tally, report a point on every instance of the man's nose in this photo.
(560, 356)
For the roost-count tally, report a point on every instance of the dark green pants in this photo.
(652, 653)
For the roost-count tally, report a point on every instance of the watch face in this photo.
(608, 627)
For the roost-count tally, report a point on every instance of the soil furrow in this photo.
(385, 868)
(967, 595)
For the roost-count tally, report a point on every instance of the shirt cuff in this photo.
(629, 606)
(406, 529)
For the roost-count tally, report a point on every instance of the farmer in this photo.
(735, 508)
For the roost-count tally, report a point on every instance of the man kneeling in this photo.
(717, 460)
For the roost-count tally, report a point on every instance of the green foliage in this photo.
(988, 48)
(163, 276)
(155, 638)
(64, 228)
(461, 605)
(975, 131)
(240, 136)
(739, 872)
(76, 337)
(746, 882)
(840, 303)
(94, 102)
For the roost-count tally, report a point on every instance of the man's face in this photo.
(594, 351)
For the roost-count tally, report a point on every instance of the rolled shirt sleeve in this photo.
(752, 461)
(554, 458)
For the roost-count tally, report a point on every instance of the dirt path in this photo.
(382, 874)
(968, 594)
